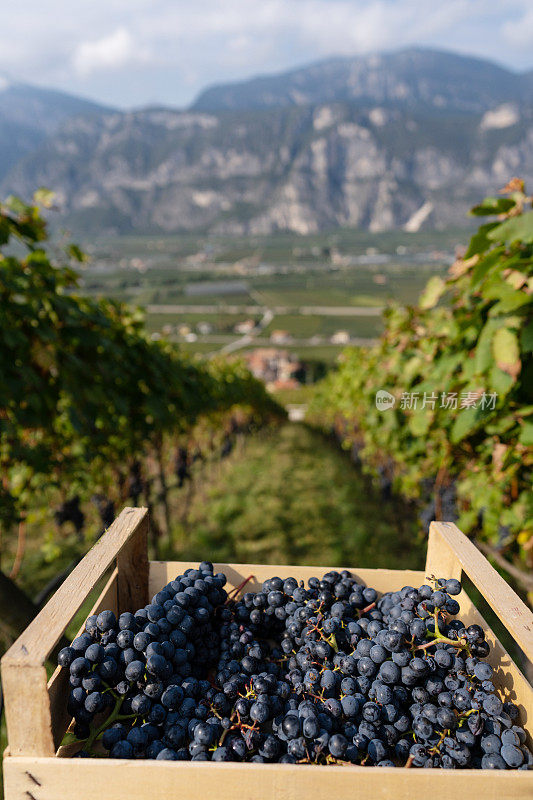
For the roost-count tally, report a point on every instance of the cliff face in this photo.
(373, 158)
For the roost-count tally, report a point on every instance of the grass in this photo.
(292, 497)
(306, 295)
(200, 348)
(302, 394)
(292, 285)
(162, 296)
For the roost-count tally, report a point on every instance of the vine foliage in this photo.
(470, 338)
(83, 388)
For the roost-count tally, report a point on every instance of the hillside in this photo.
(29, 114)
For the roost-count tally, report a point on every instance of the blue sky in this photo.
(134, 52)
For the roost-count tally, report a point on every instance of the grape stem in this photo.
(235, 592)
(362, 611)
(111, 718)
(438, 637)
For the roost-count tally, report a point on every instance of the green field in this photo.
(221, 323)
(275, 248)
(304, 326)
(299, 326)
(354, 286)
(284, 273)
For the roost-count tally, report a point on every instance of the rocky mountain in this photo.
(29, 114)
(353, 149)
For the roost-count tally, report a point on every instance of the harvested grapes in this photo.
(328, 673)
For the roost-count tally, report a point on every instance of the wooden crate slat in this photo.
(24, 679)
(85, 779)
(132, 566)
(42, 634)
(515, 615)
(27, 708)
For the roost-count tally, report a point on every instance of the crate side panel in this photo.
(383, 580)
(80, 779)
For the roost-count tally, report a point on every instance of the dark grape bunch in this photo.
(323, 674)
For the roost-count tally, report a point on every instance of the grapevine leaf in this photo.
(514, 229)
(485, 264)
(44, 197)
(506, 351)
(480, 242)
(433, 292)
(511, 302)
(499, 381)
(466, 421)
(493, 205)
(76, 253)
(419, 423)
(484, 357)
(69, 738)
(526, 434)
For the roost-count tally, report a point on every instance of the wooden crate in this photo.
(37, 717)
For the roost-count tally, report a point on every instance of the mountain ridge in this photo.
(392, 143)
(30, 114)
(292, 87)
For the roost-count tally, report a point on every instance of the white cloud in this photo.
(519, 32)
(109, 52)
(131, 52)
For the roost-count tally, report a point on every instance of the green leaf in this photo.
(512, 301)
(76, 253)
(69, 738)
(526, 434)
(515, 229)
(480, 241)
(484, 358)
(466, 421)
(485, 264)
(500, 381)
(431, 295)
(506, 351)
(419, 423)
(492, 205)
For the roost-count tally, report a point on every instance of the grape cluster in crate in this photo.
(325, 674)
